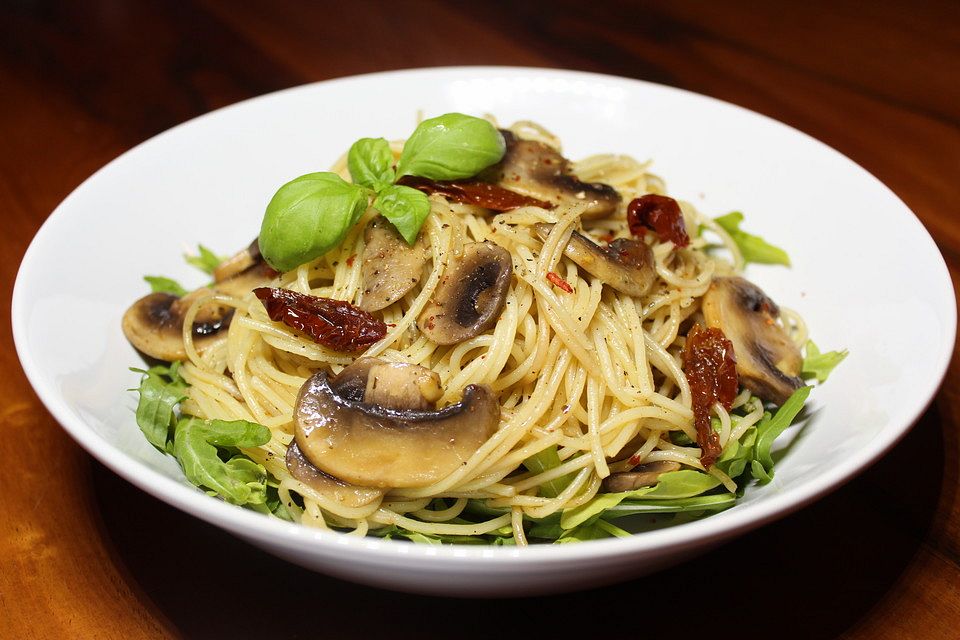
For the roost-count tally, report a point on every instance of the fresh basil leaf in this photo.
(205, 260)
(450, 147)
(544, 461)
(370, 163)
(819, 365)
(161, 390)
(753, 248)
(406, 208)
(770, 428)
(159, 284)
(239, 480)
(307, 217)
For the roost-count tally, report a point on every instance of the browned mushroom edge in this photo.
(326, 485)
(390, 266)
(768, 361)
(537, 170)
(626, 265)
(377, 446)
(470, 296)
(154, 323)
(644, 475)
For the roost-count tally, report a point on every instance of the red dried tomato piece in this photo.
(660, 214)
(711, 369)
(335, 324)
(557, 281)
(484, 194)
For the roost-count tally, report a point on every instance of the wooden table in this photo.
(84, 554)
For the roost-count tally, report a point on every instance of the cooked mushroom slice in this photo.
(768, 362)
(626, 265)
(238, 262)
(345, 494)
(154, 323)
(391, 267)
(471, 295)
(539, 171)
(402, 386)
(376, 446)
(644, 475)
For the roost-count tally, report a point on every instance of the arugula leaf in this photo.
(369, 161)
(820, 365)
(592, 531)
(406, 208)
(544, 461)
(770, 428)
(307, 217)
(160, 284)
(451, 146)
(239, 480)
(712, 502)
(161, 390)
(393, 531)
(675, 484)
(737, 454)
(205, 260)
(754, 248)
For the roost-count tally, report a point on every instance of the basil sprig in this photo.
(312, 214)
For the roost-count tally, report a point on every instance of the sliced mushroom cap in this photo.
(346, 494)
(537, 170)
(470, 296)
(644, 475)
(154, 323)
(402, 386)
(239, 262)
(626, 265)
(372, 445)
(391, 267)
(768, 361)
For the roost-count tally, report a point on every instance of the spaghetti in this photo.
(587, 378)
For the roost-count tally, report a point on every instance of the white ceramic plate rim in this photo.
(256, 526)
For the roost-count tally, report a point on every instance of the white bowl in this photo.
(866, 276)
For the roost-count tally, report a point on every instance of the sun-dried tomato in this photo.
(335, 324)
(660, 214)
(484, 194)
(557, 281)
(711, 369)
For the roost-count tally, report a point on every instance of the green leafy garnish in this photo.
(451, 146)
(206, 449)
(205, 260)
(685, 483)
(161, 390)
(309, 216)
(737, 454)
(753, 248)
(160, 284)
(819, 365)
(312, 214)
(239, 479)
(370, 163)
(544, 461)
(405, 207)
(769, 429)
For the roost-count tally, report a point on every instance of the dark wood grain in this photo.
(84, 554)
